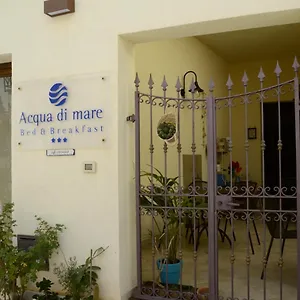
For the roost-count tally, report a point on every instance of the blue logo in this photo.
(58, 94)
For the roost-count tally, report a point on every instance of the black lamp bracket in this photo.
(182, 91)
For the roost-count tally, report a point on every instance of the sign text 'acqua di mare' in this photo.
(62, 124)
(62, 115)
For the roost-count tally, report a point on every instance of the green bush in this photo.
(19, 264)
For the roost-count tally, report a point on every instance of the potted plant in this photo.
(236, 171)
(160, 194)
(21, 266)
(45, 292)
(80, 281)
(167, 128)
(169, 267)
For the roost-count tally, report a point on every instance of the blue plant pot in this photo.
(221, 181)
(172, 273)
(238, 179)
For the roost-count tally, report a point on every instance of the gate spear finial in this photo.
(150, 82)
(137, 80)
(229, 83)
(211, 85)
(164, 84)
(261, 75)
(277, 70)
(245, 79)
(296, 64)
(178, 85)
(192, 86)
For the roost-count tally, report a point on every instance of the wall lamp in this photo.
(54, 8)
(197, 89)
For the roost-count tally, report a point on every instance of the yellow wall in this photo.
(254, 109)
(173, 58)
(98, 209)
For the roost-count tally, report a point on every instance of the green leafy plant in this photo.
(44, 287)
(35, 259)
(159, 194)
(167, 243)
(19, 264)
(166, 130)
(162, 193)
(80, 281)
(9, 256)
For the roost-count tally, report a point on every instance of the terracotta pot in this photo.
(202, 293)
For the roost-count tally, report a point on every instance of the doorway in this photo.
(280, 166)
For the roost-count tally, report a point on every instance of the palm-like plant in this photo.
(161, 193)
(162, 197)
(79, 281)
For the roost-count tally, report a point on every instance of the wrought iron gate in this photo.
(212, 239)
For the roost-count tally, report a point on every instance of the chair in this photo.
(275, 226)
(242, 201)
(201, 224)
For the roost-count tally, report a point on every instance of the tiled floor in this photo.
(244, 279)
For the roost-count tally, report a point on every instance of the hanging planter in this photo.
(167, 128)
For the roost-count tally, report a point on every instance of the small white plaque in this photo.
(60, 152)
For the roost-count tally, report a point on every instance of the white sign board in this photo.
(72, 112)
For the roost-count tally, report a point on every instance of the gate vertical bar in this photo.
(297, 140)
(229, 85)
(151, 148)
(261, 76)
(280, 181)
(181, 214)
(138, 183)
(211, 187)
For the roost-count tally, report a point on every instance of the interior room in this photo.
(255, 130)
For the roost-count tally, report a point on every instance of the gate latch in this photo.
(224, 202)
(131, 118)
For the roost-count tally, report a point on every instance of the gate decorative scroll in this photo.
(212, 239)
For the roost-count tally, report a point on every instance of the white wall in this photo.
(97, 209)
(57, 189)
(126, 187)
(201, 17)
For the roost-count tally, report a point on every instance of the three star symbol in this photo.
(59, 140)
